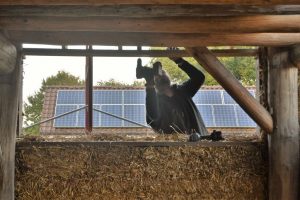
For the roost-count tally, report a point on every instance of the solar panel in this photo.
(208, 97)
(252, 92)
(224, 115)
(134, 97)
(68, 120)
(243, 119)
(81, 117)
(207, 115)
(70, 97)
(135, 113)
(216, 107)
(228, 99)
(108, 121)
(107, 97)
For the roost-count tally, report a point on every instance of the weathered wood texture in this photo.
(262, 83)
(231, 24)
(89, 93)
(284, 142)
(9, 86)
(155, 2)
(8, 56)
(239, 93)
(146, 10)
(153, 39)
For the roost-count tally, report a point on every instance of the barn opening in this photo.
(158, 170)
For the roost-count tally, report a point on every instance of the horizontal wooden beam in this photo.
(232, 24)
(236, 90)
(8, 55)
(154, 39)
(146, 10)
(134, 53)
(122, 2)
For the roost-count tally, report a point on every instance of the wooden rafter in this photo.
(155, 2)
(147, 10)
(240, 24)
(153, 39)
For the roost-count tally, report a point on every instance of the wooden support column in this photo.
(89, 93)
(8, 55)
(239, 93)
(9, 85)
(284, 142)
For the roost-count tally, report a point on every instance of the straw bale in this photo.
(124, 172)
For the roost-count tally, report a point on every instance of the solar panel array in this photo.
(217, 108)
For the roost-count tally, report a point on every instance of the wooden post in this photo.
(89, 93)
(284, 142)
(9, 86)
(20, 102)
(239, 93)
(262, 83)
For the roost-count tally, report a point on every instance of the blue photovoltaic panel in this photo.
(224, 115)
(208, 97)
(108, 121)
(252, 92)
(81, 117)
(135, 113)
(107, 97)
(243, 119)
(134, 97)
(207, 115)
(68, 120)
(70, 97)
(131, 104)
(228, 99)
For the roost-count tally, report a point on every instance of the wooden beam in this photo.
(89, 93)
(9, 86)
(8, 55)
(232, 24)
(239, 93)
(284, 142)
(146, 10)
(134, 53)
(153, 39)
(155, 2)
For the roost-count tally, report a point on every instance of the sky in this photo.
(37, 68)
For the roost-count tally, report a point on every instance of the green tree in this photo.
(115, 83)
(33, 109)
(179, 76)
(243, 68)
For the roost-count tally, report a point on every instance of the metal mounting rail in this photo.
(55, 117)
(78, 109)
(115, 116)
